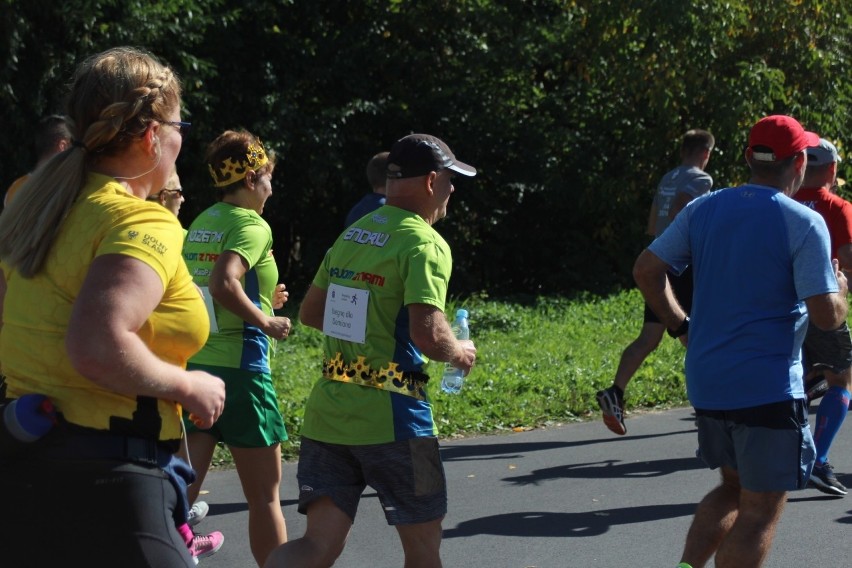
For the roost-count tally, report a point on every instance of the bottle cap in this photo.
(461, 313)
(29, 417)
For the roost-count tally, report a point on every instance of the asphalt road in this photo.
(572, 496)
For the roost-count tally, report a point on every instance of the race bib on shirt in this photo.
(346, 313)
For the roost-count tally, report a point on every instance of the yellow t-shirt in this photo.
(105, 219)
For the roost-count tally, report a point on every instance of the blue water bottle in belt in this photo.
(25, 420)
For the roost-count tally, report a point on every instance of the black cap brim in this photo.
(462, 168)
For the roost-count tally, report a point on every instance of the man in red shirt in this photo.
(831, 351)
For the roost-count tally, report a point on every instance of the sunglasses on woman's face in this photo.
(183, 127)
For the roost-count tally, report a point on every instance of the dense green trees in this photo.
(570, 109)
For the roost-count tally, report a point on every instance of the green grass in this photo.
(539, 362)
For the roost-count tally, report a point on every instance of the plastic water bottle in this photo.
(25, 420)
(453, 378)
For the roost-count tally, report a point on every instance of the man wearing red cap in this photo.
(762, 268)
(830, 352)
(379, 299)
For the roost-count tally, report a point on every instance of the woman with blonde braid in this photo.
(100, 315)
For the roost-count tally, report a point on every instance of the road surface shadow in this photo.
(503, 450)
(609, 468)
(550, 524)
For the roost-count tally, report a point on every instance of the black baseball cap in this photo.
(416, 155)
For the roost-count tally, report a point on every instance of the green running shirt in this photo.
(225, 227)
(399, 259)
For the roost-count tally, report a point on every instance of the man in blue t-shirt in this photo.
(376, 176)
(762, 268)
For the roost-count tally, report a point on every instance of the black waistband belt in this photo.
(104, 446)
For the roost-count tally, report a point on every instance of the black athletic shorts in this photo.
(832, 349)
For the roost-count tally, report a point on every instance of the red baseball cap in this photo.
(782, 135)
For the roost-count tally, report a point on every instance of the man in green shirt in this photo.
(379, 298)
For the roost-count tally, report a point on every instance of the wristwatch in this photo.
(683, 329)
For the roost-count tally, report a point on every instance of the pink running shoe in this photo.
(204, 545)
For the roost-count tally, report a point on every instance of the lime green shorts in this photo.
(251, 418)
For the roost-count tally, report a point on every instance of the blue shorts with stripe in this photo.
(770, 446)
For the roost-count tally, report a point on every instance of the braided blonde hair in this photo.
(114, 95)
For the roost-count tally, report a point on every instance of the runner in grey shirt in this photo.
(677, 188)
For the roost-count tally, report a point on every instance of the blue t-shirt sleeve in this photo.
(810, 244)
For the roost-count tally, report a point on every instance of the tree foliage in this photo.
(571, 110)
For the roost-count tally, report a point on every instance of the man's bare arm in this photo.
(829, 311)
